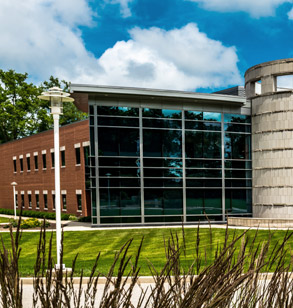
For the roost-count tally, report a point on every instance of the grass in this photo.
(4, 219)
(87, 244)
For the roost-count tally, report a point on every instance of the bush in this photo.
(85, 219)
(36, 214)
(27, 223)
(72, 217)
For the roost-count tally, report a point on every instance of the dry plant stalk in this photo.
(234, 279)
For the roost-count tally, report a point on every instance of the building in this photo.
(30, 163)
(167, 156)
(269, 88)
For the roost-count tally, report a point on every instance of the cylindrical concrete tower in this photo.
(272, 137)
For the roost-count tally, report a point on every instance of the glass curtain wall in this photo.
(158, 165)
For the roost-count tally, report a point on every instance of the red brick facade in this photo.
(40, 181)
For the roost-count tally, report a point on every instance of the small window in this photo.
(44, 161)
(64, 202)
(22, 201)
(86, 151)
(37, 201)
(16, 200)
(36, 162)
(63, 158)
(78, 199)
(21, 164)
(45, 201)
(28, 163)
(14, 165)
(53, 159)
(77, 156)
(30, 201)
(53, 201)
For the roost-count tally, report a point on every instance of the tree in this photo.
(22, 113)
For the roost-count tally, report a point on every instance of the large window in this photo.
(150, 159)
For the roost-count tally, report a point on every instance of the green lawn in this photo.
(4, 219)
(89, 243)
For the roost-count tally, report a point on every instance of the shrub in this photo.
(72, 217)
(36, 214)
(27, 223)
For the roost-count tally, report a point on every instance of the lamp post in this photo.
(14, 199)
(56, 97)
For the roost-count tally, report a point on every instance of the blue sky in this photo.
(193, 45)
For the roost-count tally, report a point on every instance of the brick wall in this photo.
(41, 181)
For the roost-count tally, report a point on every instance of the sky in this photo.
(190, 45)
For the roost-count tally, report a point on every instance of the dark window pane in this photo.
(37, 201)
(28, 163)
(86, 152)
(63, 158)
(78, 201)
(118, 141)
(161, 123)
(204, 183)
(194, 125)
(238, 164)
(163, 219)
(241, 128)
(45, 201)
(14, 165)
(237, 146)
(162, 182)
(120, 220)
(21, 164)
(206, 201)
(92, 120)
(53, 201)
(162, 162)
(238, 174)
(22, 201)
(44, 161)
(128, 172)
(238, 183)
(203, 173)
(64, 203)
(238, 200)
(91, 109)
(92, 140)
(127, 162)
(77, 156)
(194, 115)
(203, 144)
(118, 111)
(115, 121)
(163, 201)
(36, 162)
(161, 113)
(237, 118)
(119, 182)
(29, 200)
(149, 172)
(162, 143)
(197, 163)
(116, 202)
(212, 116)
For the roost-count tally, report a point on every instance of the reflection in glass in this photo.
(238, 164)
(212, 116)
(163, 201)
(118, 111)
(162, 123)
(119, 182)
(238, 200)
(237, 118)
(162, 143)
(116, 172)
(203, 201)
(194, 115)
(162, 162)
(207, 173)
(115, 121)
(238, 174)
(206, 163)
(161, 113)
(162, 182)
(118, 161)
(238, 183)
(118, 141)
(118, 202)
(237, 146)
(203, 144)
(237, 128)
(149, 172)
(204, 183)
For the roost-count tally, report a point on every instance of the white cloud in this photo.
(41, 37)
(124, 6)
(290, 14)
(183, 59)
(256, 8)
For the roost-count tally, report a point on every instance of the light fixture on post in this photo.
(14, 199)
(56, 97)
